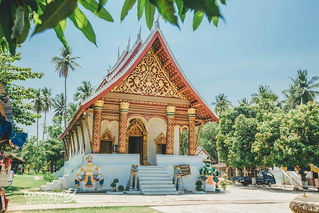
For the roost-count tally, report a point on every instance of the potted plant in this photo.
(224, 185)
(114, 191)
(199, 187)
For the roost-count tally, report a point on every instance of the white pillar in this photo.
(176, 140)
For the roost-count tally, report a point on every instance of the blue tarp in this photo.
(7, 132)
(6, 129)
(19, 139)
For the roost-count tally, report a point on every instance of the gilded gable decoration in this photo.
(107, 136)
(148, 78)
(136, 128)
(161, 139)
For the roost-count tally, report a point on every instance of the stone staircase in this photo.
(155, 180)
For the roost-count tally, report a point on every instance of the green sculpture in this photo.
(209, 175)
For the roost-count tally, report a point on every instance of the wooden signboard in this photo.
(186, 170)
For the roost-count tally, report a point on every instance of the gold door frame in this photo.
(160, 140)
(136, 128)
(107, 136)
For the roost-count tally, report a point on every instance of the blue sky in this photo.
(261, 43)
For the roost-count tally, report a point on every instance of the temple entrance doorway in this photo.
(136, 140)
(136, 146)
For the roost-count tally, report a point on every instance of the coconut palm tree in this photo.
(302, 90)
(221, 103)
(244, 101)
(84, 91)
(264, 92)
(62, 66)
(71, 110)
(47, 104)
(38, 105)
(58, 104)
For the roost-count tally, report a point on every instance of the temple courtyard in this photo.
(237, 199)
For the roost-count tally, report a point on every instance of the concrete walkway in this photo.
(237, 199)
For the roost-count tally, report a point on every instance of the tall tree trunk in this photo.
(65, 102)
(44, 126)
(38, 130)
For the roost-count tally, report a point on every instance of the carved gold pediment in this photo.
(107, 136)
(136, 128)
(161, 139)
(148, 78)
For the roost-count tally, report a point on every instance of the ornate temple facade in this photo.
(142, 106)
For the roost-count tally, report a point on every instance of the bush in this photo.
(199, 185)
(224, 185)
(49, 177)
(58, 190)
(121, 188)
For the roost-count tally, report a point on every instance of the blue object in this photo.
(6, 129)
(19, 139)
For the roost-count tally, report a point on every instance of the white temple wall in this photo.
(195, 163)
(155, 127)
(176, 140)
(112, 166)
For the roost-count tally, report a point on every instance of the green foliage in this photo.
(128, 4)
(71, 110)
(183, 149)
(197, 19)
(58, 190)
(83, 91)
(302, 90)
(199, 185)
(121, 188)
(18, 94)
(224, 184)
(48, 177)
(237, 130)
(55, 11)
(81, 22)
(149, 14)
(298, 144)
(62, 66)
(93, 6)
(16, 16)
(221, 103)
(113, 184)
(208, 138)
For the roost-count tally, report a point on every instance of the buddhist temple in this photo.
(141, 108)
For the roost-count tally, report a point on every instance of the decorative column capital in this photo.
(170, 110)
(191, 113)
(98, 104)
(124, 107)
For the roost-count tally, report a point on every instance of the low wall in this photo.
(195, 163)
(112, 166)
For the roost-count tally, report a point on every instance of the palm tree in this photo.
(221, 103)
(264, 92)
(244, 101)
(47, 104)
(72, 109)
(302, 90)
(62, 65)
(58, 104)
(84, 91)
(38, 105)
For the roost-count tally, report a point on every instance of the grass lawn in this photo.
(25, 182)
(21, 183)
(102, 209)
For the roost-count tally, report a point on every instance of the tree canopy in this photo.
(9, 74)
(16, 17)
